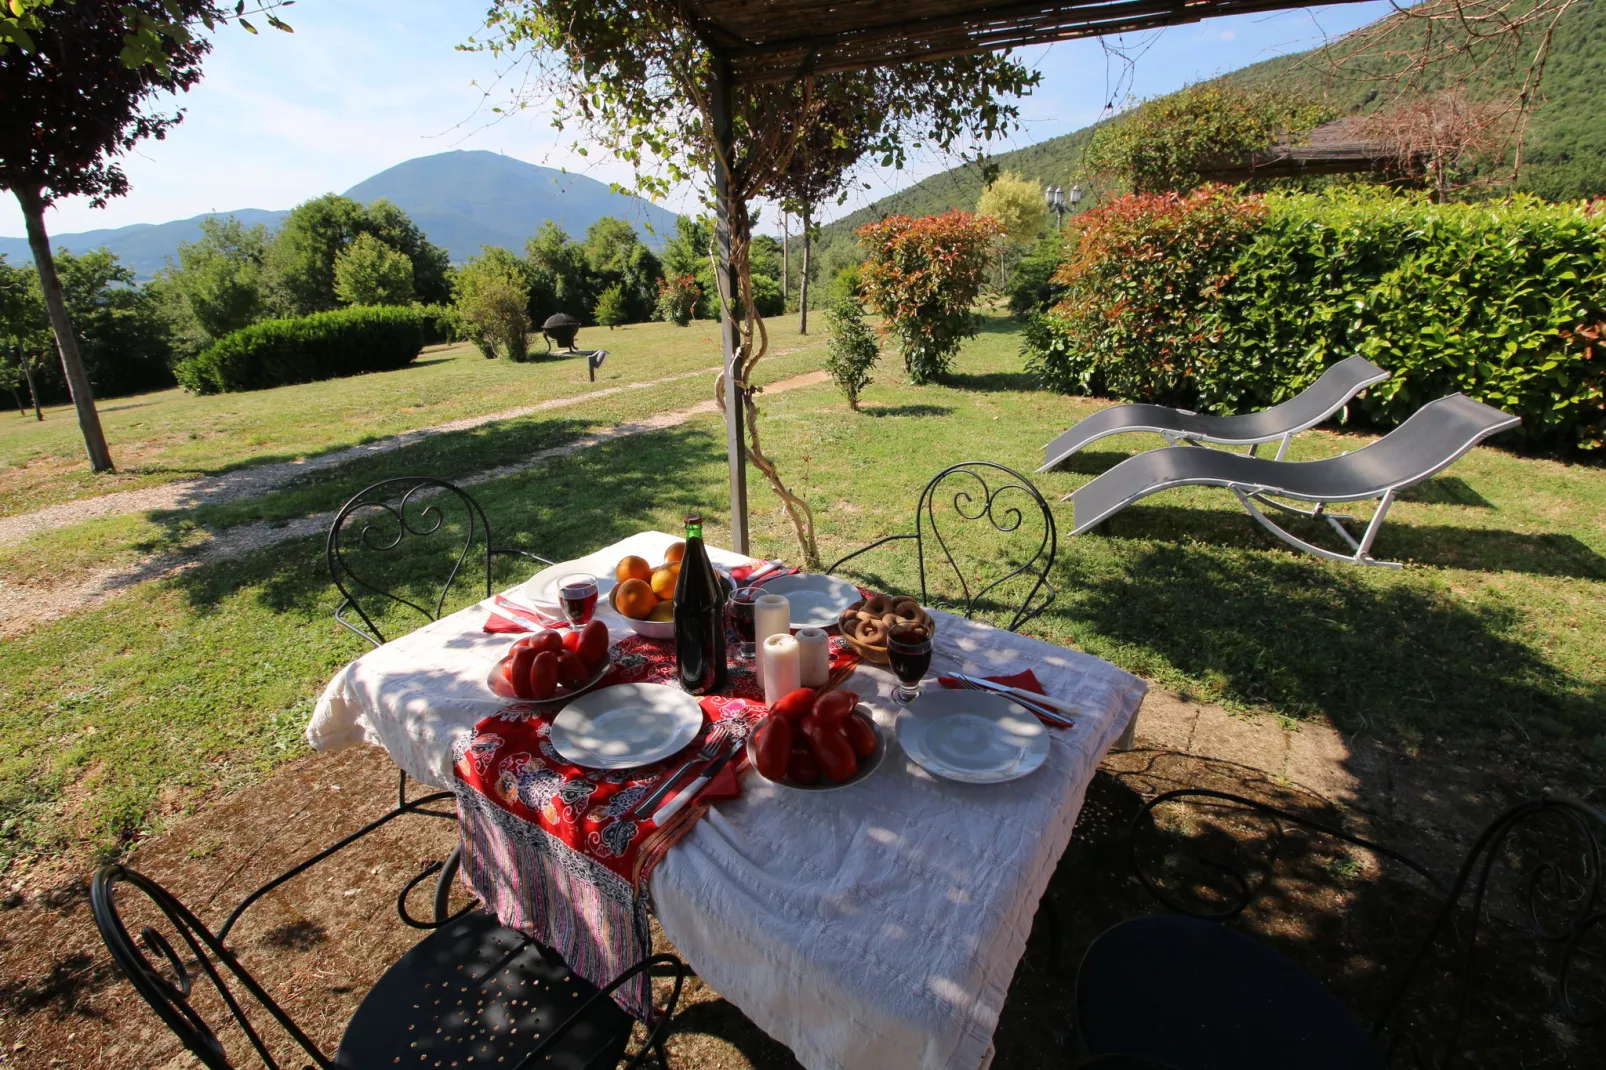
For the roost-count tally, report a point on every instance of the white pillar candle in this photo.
(814, 648)
(782, 666)
(772, 615)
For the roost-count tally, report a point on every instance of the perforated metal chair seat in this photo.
(477, 994)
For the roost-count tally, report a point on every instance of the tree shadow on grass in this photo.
(906, 410)
(1433, 545)
(992, 382)
(562, 509)
(1374, 651)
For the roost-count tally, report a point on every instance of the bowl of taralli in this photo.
(865, 623)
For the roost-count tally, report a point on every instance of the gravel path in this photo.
(259, 479)
(22, 607)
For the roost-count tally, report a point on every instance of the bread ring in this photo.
(907, 609)
(850, 626)
(878, 604)
(872, 633)
(889, 618)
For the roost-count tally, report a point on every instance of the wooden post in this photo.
(735, 394)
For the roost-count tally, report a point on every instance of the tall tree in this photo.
(217, 286)
(1016, 202)
(636, 77)
(78, 79)
(24, 331)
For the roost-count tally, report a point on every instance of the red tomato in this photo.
(861, 737)
(571, 670)
(794, 704)
(833, 707)
(545, 639)
(593, 645)
(518, 670)
(571, 640)
(772, 744)
(543, 675)
(836, 757)
(802, 768)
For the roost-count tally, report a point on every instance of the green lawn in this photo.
(160, 437)
(116, 717)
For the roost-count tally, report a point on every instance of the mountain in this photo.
(461, 200)
(1564, 155)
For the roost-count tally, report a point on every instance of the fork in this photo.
(1051, 716)
(710, 751)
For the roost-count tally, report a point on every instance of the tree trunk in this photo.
(803, 282)
(786, 260)
(33, 214)
(27, 373)
(1002, 282)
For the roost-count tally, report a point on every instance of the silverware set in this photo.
(1051, 710)
(712, 746)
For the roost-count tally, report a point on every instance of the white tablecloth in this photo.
(875, 927)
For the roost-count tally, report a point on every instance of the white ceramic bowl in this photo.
(656, 629)
(867, 765)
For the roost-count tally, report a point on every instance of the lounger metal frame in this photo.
(1362, 547)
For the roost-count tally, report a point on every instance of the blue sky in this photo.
(363, 85)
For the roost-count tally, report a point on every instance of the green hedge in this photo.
(1227, 303)
(326, 345)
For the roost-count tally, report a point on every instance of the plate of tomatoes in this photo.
(817, 741)
(553, 666)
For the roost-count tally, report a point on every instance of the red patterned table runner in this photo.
(553, 849)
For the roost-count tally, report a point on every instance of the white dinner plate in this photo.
(626, 725)
(541, 590)
(972, 737)
(817, 601)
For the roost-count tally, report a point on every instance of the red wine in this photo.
(909, 658)
(699, 618)
(579, 602)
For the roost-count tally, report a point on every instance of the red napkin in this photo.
(741, 572)
(498, 623)
(1026, 680)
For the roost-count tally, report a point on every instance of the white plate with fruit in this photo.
(553, 666)
(817, 742)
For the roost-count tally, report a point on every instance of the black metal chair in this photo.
(472, 993)
(1183, 991)
(983, 491)
(393, 510)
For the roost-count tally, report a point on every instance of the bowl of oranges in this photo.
(644, 593)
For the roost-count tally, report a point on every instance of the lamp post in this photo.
(1076, 195)
(1055, 196)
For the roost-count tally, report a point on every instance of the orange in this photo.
(664, 578)
(635, 599)
(632, 568)
(663, 612)
(675, 552)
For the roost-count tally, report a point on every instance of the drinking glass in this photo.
(577, 594)
(909, 655)
(742, 607)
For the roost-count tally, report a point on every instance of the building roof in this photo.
(777, 40)
(1334, 148)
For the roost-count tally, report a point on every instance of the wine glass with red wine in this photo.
(577, 594)
(909, 655)
(742, 605)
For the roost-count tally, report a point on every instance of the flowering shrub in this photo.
(1227, 304)
(678, 297)
(922, 276)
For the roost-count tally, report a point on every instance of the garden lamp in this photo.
(1076, 195)
(1055, 195)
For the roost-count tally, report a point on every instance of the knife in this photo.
(669, 809)
(1055, 709)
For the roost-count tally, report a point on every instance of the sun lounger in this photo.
(1310, 407)
(1433, 438)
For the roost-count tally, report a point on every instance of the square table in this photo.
(875, 926)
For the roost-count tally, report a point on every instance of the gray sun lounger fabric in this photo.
(1310, 407)
(1433, 438)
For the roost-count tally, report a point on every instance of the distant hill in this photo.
(1564, 153)
(462, 200)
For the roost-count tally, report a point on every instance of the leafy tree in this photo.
(302, 256)
(923, 275)
(678, 298)
(24, 332)
(635, 76)
(850, 349)
(610, 311)
(1016, 202)
(1034, 288)
(560, 276)
(616, 256)
(491, 296)
(216, 287)
(1163, 143)
(121, 333)
(370, 272)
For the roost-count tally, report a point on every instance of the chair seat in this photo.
(1196, 995)
(474, 989)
